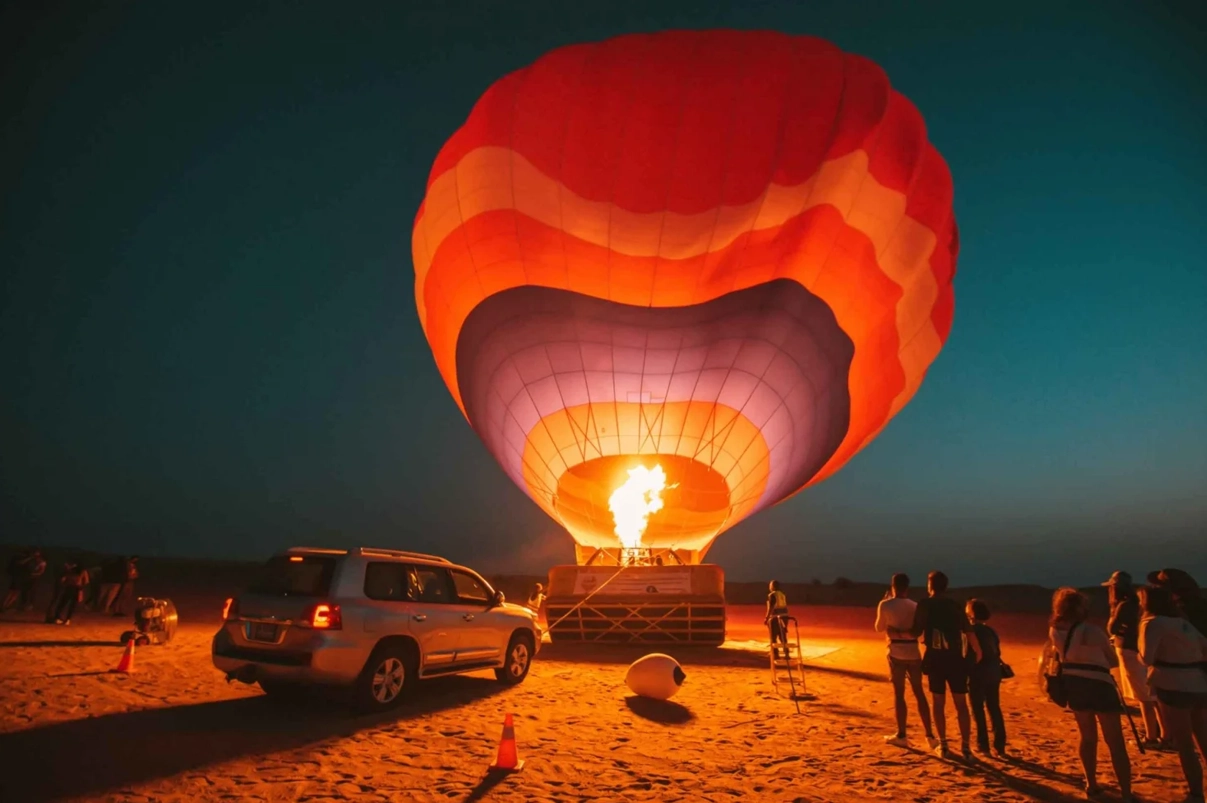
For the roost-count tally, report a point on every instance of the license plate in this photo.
(263, 632)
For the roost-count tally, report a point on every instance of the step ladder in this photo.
(787, 671)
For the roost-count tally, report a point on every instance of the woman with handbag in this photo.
(985, 680)
(1176, 654)
(1086, 656)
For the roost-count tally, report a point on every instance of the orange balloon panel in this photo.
(678, 228)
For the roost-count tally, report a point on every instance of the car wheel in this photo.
(387, 677)
(517, 661)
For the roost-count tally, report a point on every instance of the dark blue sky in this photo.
(209, 345)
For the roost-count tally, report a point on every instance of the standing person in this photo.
(71, 582)
(985, 679)
(92, 594)
(1186, 596)
(1124, 629)
(125, 597)
(777, 617)
(1177, 653)
(1086, 657)
(940, 621)
(35, 568)
(112, 578)
(537, 598)
(894, 618)
(18, 579)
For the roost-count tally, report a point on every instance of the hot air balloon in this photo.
(672, 279)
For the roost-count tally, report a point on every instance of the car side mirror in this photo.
(497, 599)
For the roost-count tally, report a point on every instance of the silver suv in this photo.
(372, 619)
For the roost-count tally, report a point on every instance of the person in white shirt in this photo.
(1176, 654)
(537, 598)
(1124, 627)
(1086, 657)
(894, 618)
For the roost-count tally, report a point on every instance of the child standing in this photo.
(985, 680)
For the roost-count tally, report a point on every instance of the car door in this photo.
(389, 599)
(478, 640)
(436, 620)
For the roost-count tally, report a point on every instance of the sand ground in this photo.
(175, 731)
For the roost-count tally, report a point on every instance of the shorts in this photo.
(1096, 696)
(899, 669)
(777, 626)
(1187, 700)
(945, 669)
(1133, 676)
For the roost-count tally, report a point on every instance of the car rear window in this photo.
(389, 582)
(295, 576)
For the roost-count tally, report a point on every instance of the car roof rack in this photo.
(318, 549)
(370, 551)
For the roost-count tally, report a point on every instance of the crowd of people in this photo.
(1154, 638)
(105, 588)
(962, 656)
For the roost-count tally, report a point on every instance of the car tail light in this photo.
(230, 610)
(326, 617)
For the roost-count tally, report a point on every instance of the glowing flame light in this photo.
(632, 503)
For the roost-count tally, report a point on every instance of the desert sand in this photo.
(175, 731)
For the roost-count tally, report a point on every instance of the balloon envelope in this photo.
(727, 253)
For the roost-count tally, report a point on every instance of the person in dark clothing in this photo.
(1186, 595)
(25, 573)
(1124, 630)
(125, 598)
(92, 594)
(940, 621)
(777, 617)
(985, 679)
(71, 582)
(18, 578)
(112, 578)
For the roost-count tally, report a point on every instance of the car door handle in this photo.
(420, 617)
(469, 617)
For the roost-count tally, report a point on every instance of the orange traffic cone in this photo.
(508, 759)
(126, 664)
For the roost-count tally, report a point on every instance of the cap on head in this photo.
(1119, 579)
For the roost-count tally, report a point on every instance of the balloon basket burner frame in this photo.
(637, 604)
